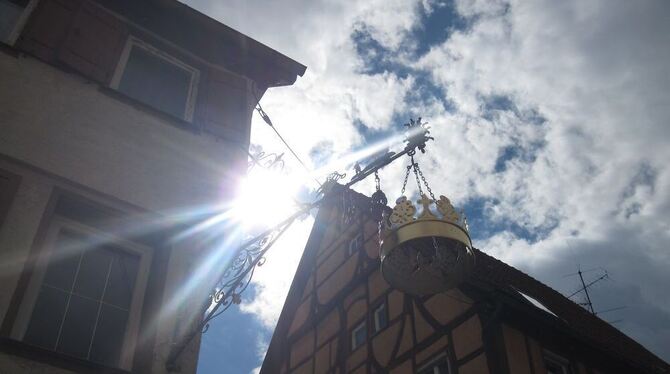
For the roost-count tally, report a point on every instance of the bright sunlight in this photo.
(265, 197)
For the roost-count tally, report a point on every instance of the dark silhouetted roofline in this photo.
(210, 40)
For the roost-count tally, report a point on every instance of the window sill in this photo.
(18, 348)
(175, 121)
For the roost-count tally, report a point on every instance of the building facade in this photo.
(341, 316)
(123, 124)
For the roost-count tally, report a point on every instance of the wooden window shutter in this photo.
(47, 28)
(94, 43)
(226, 110)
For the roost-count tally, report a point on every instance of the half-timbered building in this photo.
(341, 316)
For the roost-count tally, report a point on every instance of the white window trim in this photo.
(134, 42)
(360, 326)
(355, 244)
(434, 361)
(21, 22)
(59, 224)
(378, 326)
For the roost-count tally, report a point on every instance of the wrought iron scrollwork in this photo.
(234, 281)
(269, 161)
(250, 255)
(237, 276)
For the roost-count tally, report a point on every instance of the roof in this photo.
(504, 282)
(587, 326)
(210, 40)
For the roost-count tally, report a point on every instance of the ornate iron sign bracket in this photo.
(250, 254)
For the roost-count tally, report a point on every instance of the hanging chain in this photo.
(404, 183)
(416, 175)
(378, 187)
(430, 192)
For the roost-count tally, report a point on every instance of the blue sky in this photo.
(551, 125)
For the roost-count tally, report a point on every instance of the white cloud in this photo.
(589, 83)
(598, 75)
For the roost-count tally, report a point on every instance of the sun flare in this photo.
(265, 197)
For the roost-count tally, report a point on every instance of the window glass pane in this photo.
(121, 281)
(440, 366)
(108, 338)
(355, 244)
(64, 261)
(554, 368)
(156, 81)
(359, 336)
(381, 318)
(75, 337)
(10, 11)
(46, 318)
(93, 272)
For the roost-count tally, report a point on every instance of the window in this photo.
(556, 364)
(437, 366)
(359, 335)
(535, 303)
(356, 244)
(381, 317)
(85, 295)
(13, 15)
(156, 79)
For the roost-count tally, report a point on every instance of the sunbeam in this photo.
(345, 161)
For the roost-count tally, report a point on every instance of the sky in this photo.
(551, 125)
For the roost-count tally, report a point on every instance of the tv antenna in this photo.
(585, 287)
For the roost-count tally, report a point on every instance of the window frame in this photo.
(434, 361)
(355, 244)
(362, 325)
(134, 42)
(377, 328)
(552, 357)
(56, 226)
(20, 23)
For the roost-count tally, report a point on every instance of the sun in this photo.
(265, 197)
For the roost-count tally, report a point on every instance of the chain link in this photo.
(378, 185)
(404, 183)
(416, 175)
(416, 168)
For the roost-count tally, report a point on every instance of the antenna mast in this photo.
(585, 288)
(586, 291)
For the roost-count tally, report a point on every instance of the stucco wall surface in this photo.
(62, 123)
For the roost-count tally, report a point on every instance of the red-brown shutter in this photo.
(224, 106)
(47, 28)
(94, 43)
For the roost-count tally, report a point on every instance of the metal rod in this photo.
(610, 310)
(586, 291)
(414, 142)
(179, 348)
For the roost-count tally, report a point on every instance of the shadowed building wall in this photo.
(122, 125)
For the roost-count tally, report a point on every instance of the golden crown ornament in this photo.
(425, 248)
